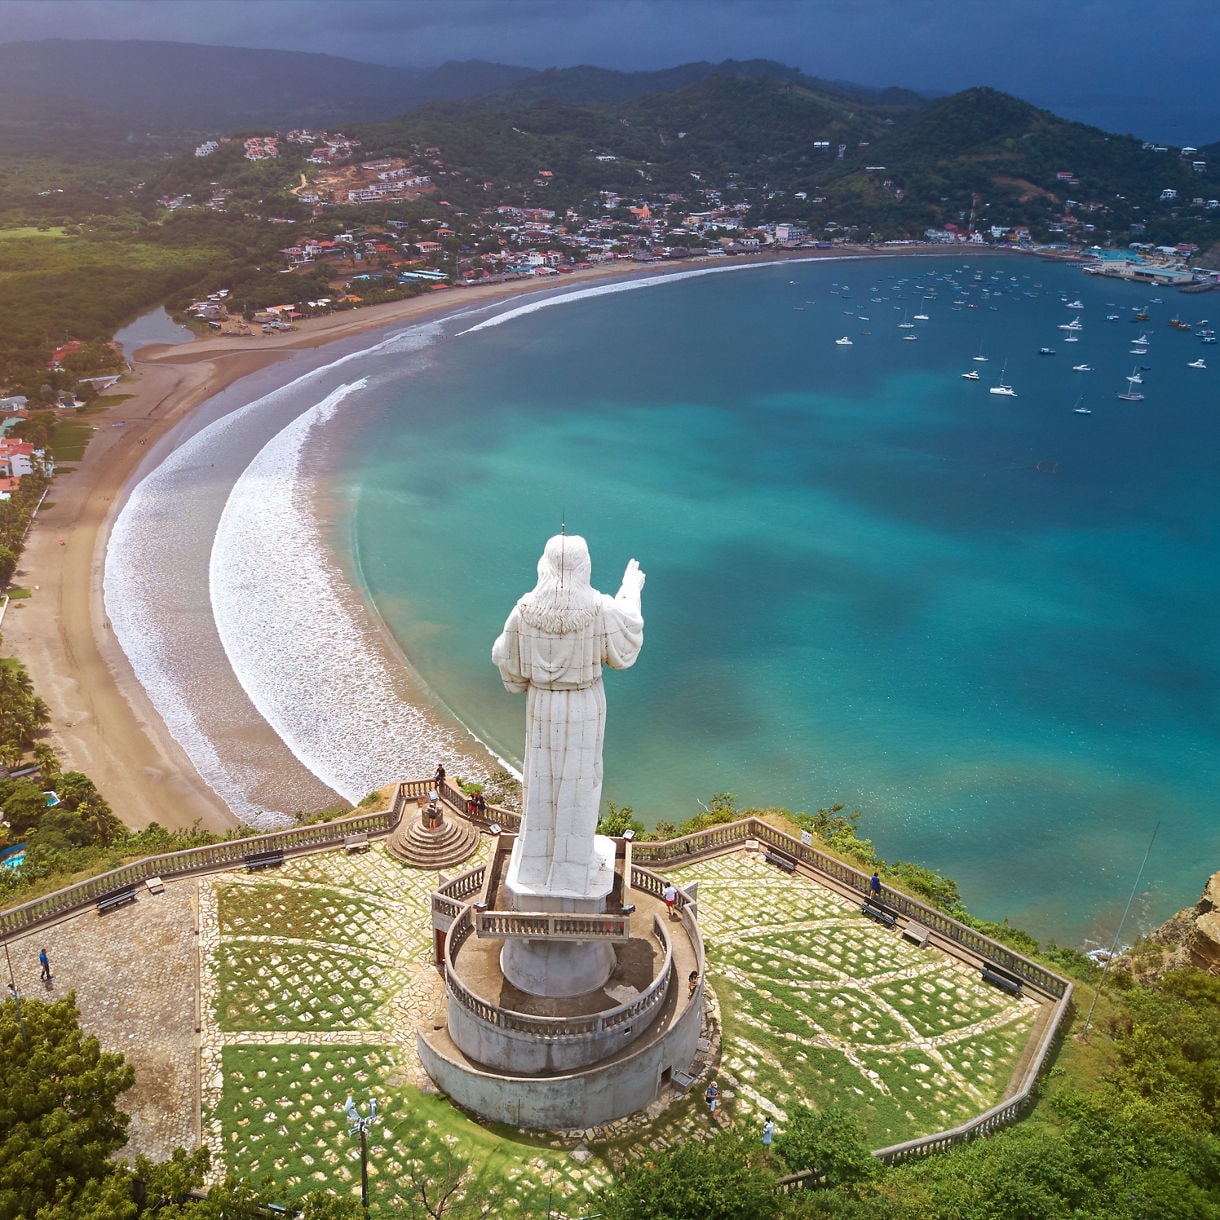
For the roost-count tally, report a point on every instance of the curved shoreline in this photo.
(104, 722)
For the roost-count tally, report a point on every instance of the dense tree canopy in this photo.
(59, 1118)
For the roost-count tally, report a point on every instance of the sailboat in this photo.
(980, 358)
(1002, 387)
(1080, 408)
(906, 323)
(1131, 394)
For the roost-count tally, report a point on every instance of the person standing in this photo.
(874, 888)
(45, 963)
(670, 894)
(768, 1132)
(439, 778)
(480, 805)
(712, 1097)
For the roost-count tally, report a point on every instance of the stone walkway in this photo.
(133, 971)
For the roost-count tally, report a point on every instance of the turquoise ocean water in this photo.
(989, 623)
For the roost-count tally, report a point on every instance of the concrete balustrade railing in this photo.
(558, 926)
(555, 1028)
(734, 834)
(215, 857)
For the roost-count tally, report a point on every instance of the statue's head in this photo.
(563, 599)
(565, 563)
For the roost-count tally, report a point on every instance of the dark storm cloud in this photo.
(1122, 64)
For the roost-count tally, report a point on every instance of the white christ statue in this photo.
(553, 647)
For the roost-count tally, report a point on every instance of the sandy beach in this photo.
(102, 721)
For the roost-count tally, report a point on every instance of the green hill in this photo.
(802, 150)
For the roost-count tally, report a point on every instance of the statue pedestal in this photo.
(561, 968)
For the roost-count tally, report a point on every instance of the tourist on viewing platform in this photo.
(670, 894)
(692, 981)
(439, 778)
(874, 888)
(480, 805)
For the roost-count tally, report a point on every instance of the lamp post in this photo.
(359, 1123)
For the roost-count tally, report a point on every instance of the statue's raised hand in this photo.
(633, 578)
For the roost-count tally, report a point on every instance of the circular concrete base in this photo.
(557, 969)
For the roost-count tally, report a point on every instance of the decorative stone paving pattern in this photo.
(274, 1094)
(133, 971)
(821, 1004)
(357, 965)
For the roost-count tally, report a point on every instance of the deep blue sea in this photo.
(988, 623)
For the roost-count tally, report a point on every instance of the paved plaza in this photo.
(310, 981)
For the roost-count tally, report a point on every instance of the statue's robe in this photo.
(561, 669)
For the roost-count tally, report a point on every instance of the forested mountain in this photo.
(174, 88)
(585, 84)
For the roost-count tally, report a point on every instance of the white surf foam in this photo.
(300, 642)
(601, 290)
(143, 592)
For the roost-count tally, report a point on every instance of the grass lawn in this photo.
(103, 403)
(69, 440)
(283, 1117)
(25, 232)
(820, 1004)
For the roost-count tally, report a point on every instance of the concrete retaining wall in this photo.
(599, 1094)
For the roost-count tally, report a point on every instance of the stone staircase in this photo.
(423, 846)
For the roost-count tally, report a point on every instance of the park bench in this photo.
(917, 932)
(883, 915)
(265, 859)
(1001, 978)
(118, 899)
(358, 842)
(787, 863)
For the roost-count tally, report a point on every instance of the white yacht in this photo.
(973, 375)
(1082, 368)
(844, 342)
(1002, 387)
(1197, 364)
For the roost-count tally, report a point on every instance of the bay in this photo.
(985, 622)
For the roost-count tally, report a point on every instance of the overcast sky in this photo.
(1144, 66)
